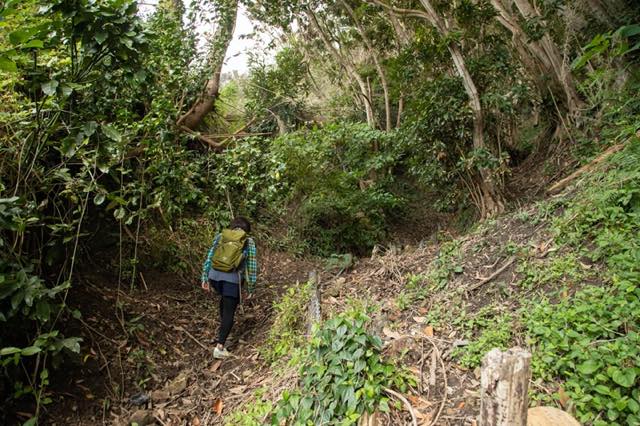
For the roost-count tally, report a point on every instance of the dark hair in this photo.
(240, 222)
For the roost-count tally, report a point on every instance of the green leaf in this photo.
(37, 44)
(118, 214)
(100, 37)
(99, 199)
(9, 351)
(31, 350)
(43, 310)
(588, 367)
(49, 88)
(625, 378)
(33, 421)
(7, 64)
(19, 36)
(72, 343)
(111, 132)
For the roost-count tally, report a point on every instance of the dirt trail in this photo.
(162, 349)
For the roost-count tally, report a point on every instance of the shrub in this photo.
(342, 377)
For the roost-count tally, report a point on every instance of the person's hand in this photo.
(205, 286)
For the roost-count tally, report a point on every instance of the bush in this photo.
(341, 184)
(342, 377)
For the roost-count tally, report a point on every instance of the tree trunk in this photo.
(400, 109)
(221, 40)
(492, 201)
(374, 56)
(560, 69)
(402, 35)
(347, 65)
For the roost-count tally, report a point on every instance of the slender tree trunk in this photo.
(558, 65)
(402, 35)
(400, 108)
(221, 40)
(492, 202)
(374, 56)
(347, 65)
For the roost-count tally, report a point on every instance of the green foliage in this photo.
(488, 330)
(560, 272)
(254, 412)
(343, 377)
(619, 43)
(339, 182)
(591, 342)
(591, 339)
(275, 92)
(288, 330)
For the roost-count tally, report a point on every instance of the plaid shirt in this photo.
(250, 263)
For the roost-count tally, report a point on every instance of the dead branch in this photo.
(563, 183)
(492, 276)
(406, 402)
(179, 328)
(217, 146)
(444, 376)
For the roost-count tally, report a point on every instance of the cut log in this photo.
(504, 383)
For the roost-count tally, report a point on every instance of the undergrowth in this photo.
(590, 341)
(342, 377)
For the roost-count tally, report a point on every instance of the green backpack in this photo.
(228, 254)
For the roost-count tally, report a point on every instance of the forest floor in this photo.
(160, 346)
(152, 364)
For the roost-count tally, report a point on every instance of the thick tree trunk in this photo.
(221, 40)
(347, 65)
(374, 56)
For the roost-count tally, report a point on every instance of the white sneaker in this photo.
(220, 353)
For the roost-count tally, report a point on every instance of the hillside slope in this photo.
(559, 277)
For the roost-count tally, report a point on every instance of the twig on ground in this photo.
(406, 402)
(421, 382)
(180, 328)
(444, 376)
(492, 276)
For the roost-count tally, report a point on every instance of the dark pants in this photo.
(228, 307)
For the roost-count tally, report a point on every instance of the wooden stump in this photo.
(504, 383)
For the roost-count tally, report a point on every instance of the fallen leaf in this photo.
(390, 333)
(217, 406)
(428, 331)
(238, 390)
(420, 320)
(425, 417)
(195, 421)
(215, 366)
(461, 405)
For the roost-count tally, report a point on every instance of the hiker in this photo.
(231, 261)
